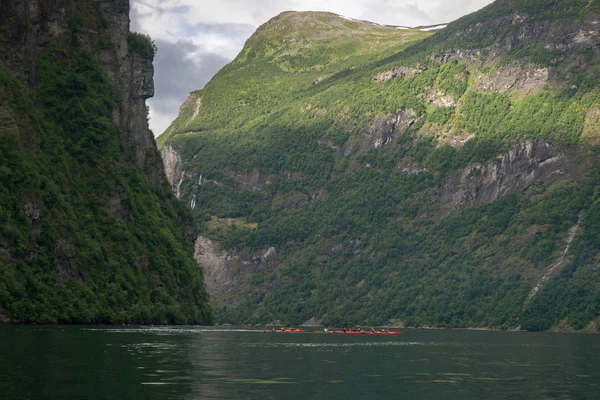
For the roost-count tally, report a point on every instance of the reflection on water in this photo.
(217, 363)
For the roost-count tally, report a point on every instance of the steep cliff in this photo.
(90, 232)
(402, 177)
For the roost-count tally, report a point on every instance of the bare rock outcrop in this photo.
(525, 165)
(557, 35)
(472, 56)
(381, 131)
(173, 166)
(250, 179)
(552, 34)
(524, 79)
(387, 127)
(395, 73)
(225, 269)
(439, 99)
(312, 323)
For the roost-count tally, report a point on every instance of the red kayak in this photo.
(362, 332)
(335, 331)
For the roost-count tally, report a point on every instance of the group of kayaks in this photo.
(336, 331)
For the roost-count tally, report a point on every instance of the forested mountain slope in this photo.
(351, 173)
(89, 230)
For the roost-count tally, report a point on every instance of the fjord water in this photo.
(215, 363)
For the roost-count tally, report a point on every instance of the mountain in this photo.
(89, 230)
(343, 172)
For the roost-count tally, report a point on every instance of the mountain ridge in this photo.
(435, 182)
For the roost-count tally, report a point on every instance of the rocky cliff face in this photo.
(137, 85)
(522, 79)
(32, 24)
(526, 165)
(226, 270)
(85, 200)
(173, 167)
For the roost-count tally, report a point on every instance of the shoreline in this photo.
(320, 327)
(431, 328)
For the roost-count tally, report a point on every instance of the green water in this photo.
(216, 363)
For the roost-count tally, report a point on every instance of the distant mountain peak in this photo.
(294, 32)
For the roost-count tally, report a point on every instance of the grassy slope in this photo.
(70, 260)
(294, 102)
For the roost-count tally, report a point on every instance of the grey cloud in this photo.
(226, 29)
(450, 11)
(395, 12)
(136, 18)
(410, 13)
(160, 9)
(176, 75)
(236, 33)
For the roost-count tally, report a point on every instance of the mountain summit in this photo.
(348, 173)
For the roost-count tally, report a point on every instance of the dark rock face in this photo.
(33, 24)
(396, 72)
(173, 167)
(382, 131)
(72, 205)
(250, 179)
(525, 165)
(525, 79)
(137, 84)
(225, 270)
(30, 24)
(558, 35)
(458, 54)
(385, 128)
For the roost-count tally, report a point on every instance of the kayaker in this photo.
(372, 329)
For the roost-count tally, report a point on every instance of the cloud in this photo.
(180, 68)
(198, 37)
(256, 12)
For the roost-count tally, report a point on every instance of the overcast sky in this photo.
(196, 38)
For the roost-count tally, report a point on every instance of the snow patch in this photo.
(433, 28)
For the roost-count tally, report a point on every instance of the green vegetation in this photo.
(141, 44)
(84, 237)
(362, 234)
